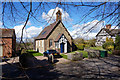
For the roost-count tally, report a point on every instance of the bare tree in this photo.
(23, 11)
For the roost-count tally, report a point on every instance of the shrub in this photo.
(117, 42)
(78, 41)
(80, 46)
(23, 59)
(92, 42)
(117, 48)
(109, 39)
(111, 47)
(86, 45)
(108, 45)
(23, 51)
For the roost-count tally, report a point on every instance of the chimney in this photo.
(108, 26)
(58, 16)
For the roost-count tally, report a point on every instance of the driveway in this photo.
(57, 60)
(108, 68)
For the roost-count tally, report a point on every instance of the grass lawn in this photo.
(34, 53)
(85, 54)
(37, 54)
(100, 48)
(97, 48)
(64, 56)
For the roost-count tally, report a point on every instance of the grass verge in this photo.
(100, 48)
(64, 56)
(34, 53)
(85, 54)
(97, 48)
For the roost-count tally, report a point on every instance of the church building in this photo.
(55, 36)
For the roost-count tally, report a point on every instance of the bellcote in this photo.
(58, 16)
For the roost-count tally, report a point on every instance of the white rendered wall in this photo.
(64, 40)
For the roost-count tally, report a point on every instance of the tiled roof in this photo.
(111, 32)
(7, 32)
(58, 37)
(115, 31)
(47, 30)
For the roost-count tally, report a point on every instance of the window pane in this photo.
(50, 42)
(42, 43)
(39, 43)
(57, 45)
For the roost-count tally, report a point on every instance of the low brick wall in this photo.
(93, 53)
(75, 56)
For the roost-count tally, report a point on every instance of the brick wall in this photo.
(7, 47)
(14, 47)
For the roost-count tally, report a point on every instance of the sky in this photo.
(72, 18)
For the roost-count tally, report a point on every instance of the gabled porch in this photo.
(61, 43)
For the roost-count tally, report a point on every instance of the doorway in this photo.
(62, 47)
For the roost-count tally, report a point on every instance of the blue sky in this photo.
(71, 17)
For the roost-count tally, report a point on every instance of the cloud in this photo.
(1, 24)
(80, 30)
(114, 27)
(52, 15)
(30, 32)
(33, 31)
(28, 23)
(23, 22)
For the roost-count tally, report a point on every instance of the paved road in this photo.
(40, 68)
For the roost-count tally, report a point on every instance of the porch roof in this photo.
(58, 37)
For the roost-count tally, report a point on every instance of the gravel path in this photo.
(57, 61)
(107, 68)
(91, 68)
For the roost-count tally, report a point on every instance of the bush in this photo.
(111, 47)
(23, 59)
(78, 41)
(117, 48)
(23, 51)
(92, 42)
(117, 42)
(108, 45)
(109, 39)
(80, 46)
(86, 45)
